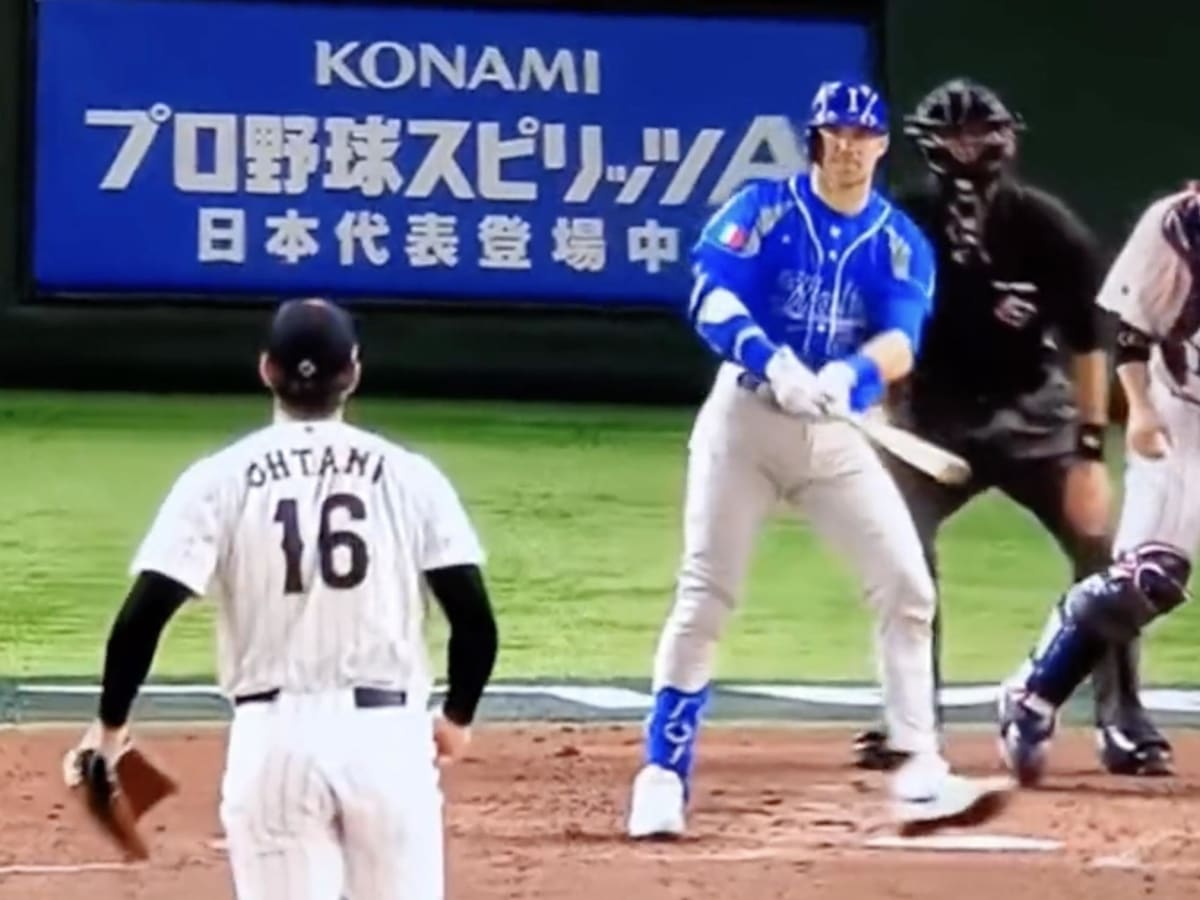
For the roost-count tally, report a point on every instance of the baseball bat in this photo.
(936, 462)
(924, 456)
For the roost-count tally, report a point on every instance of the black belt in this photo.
(364, 697)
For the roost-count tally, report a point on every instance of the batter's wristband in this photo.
(1089, 442)
(868, 384)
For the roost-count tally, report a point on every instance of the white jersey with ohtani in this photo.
(312, 537)
(1147, 286)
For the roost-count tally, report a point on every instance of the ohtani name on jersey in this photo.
(309, 462)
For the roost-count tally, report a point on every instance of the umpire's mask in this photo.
(968, 139)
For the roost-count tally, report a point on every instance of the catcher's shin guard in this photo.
(1105, 609)
(1110, 607)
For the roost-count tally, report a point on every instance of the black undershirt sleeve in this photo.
(152, 601)
(463, 597)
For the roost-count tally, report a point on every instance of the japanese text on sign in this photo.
(437, 166)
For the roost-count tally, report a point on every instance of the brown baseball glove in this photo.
(117, 796)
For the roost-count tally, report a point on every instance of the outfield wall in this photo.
(1108, 97)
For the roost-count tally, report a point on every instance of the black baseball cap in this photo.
(312, 340)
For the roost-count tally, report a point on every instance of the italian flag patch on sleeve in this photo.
(733, 236)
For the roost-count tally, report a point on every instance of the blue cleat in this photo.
(1026, 727)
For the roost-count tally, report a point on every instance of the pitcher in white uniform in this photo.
(1153, 288)
(317, 541)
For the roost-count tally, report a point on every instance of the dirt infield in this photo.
(536, 812)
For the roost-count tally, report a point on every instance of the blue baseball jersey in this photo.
(820, 281)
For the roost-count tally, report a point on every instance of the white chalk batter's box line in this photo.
(67, 868)
(972, 843)
(602, 697)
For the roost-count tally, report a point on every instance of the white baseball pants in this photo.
(1162, 496)
(745, 457)
(322, 800)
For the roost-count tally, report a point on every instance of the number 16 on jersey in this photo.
(342, 554)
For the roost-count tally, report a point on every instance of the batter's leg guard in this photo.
(660, 792)
(672, 728)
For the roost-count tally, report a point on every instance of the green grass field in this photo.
(578, 507)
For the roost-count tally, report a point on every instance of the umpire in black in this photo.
(1013, 374)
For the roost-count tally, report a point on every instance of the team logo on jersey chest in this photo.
(1016, 306)
(799, 294)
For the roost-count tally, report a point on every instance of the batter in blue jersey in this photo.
(813, 291)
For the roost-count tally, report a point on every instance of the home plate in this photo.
(968, 843)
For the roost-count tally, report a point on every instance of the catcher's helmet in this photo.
(961, 107)
(844, 103)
